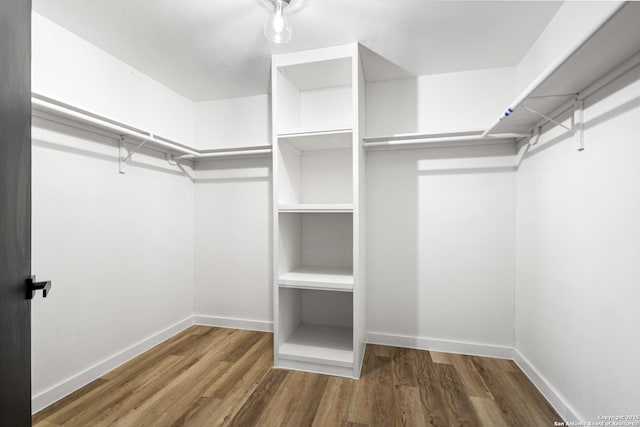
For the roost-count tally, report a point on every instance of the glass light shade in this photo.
(277, 26)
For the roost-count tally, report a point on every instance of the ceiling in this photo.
(211, 49)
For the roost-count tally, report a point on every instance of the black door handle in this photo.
(33, 287)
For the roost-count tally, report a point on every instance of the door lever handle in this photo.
(33, 287)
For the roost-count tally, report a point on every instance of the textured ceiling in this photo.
(209, 49)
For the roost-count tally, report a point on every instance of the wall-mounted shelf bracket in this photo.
(578, 123)
(547, 118)
(535, 136)
(126, 154)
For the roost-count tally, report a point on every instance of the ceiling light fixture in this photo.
(277, 27)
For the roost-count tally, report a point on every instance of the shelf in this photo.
(325, 345)
(316, 208)
(321, 140)
(299, 133)
(615, 42)
(318, 278)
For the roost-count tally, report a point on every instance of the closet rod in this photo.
(119, 129)
(555, 65)
(228, 153)
(462, 138)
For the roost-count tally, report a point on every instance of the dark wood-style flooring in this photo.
(224, 377)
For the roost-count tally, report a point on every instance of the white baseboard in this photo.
(459, 347)
(68, 386)
(231, 322)
(562, 407)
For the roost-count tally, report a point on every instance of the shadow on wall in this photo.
(441, 235)
(391, 96)
(233, 218)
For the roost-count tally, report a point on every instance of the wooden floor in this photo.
(223, 377)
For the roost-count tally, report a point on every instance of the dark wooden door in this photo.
(15, 212)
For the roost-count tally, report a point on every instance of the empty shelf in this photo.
(319, 278)
(300, 133)
(609, 47)
(320, 344)
(317, 207)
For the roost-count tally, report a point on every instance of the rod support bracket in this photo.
(122, 155)
(578, 123)
(126, 154)
(170, 159)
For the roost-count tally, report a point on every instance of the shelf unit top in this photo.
(318, 278)
(616, 41)
(325, 345)
(319, 140)
(316, 208)
(319, 75)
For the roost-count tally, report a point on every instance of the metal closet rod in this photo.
(123, 130)
(430, 140)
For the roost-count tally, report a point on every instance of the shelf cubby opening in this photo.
(316, 327)
(316, 170)
(315, 96)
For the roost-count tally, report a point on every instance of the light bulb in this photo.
(277, 27)
(278, 22)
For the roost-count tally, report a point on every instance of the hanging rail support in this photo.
(578, 123)
(125, 155)
(170, 159)
(122, 153)
(536, 134)
(555, 122)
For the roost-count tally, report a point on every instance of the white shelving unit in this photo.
(318, 170)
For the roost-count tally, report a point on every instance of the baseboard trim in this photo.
(459, 347)
(68, 386)
(559, 403)
(232, 322)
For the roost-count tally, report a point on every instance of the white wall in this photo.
(452, 102)
(578, 257)
(573, 21)
(235, 122)
(441, 222)
(441, 243)
(233, 241)
(117, 248)
(70, 69)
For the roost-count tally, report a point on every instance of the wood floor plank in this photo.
(410, 407)
(489, 414)
(456, 403)
(305, 404)
(216, 377)
(250, 412)
(469, 376)
(438, 357)
(335, 403)
(404, 367)
(360, 405)
(431, 396)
